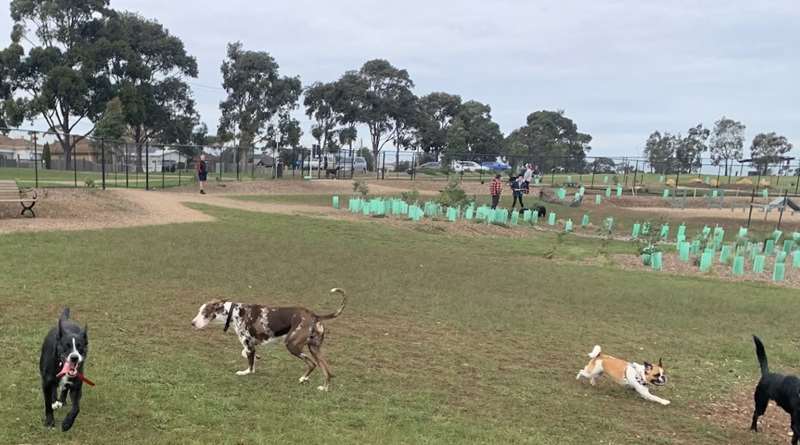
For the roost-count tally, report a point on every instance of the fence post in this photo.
(797, 180)
(719, 169)
(783, 207)
(147, 165)
(383, 166)
(635, 173)
(36, 160)
(127, 166)
(103, 161)
(163, 149)
(74, 159)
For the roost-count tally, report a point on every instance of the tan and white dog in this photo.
(625, 373)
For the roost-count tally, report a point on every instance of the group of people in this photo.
(520, 185)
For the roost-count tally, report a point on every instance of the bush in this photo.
(402, 166)
(90, 183)
(453, 195)
(410, 197)
(361, 187)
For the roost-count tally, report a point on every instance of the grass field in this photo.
(447, 338)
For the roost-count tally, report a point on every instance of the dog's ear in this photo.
(659, 363)
(58, 331)
(648, 366)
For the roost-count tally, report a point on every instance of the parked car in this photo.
(468, 166)
(496, 166)
(428, 166)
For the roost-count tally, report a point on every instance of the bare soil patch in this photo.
(735, 412)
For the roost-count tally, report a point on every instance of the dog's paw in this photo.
(323, 388)
(67, 424)
(303, 379)
(665, 402)
(245, 372)
(56, 405)
(49, 422)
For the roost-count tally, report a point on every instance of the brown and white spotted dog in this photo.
(297, 327)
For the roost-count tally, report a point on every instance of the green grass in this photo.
(447, 339)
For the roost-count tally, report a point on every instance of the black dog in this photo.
(783, 389)
(61, 367)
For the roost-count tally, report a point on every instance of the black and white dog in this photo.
(61, 366)
(783, 389)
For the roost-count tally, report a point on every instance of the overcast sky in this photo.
(620, 69)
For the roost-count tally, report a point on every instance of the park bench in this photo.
(11, 192)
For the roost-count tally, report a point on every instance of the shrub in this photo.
(361, 187)
(453, 195)
(90, 183)
(410, 197)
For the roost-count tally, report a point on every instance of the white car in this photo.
(469, 166)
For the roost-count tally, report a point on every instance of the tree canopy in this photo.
(727, 142)
(551, 140)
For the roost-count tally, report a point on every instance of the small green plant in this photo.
(89, 183)
(453, 195)
(360, 187)
(410, 197)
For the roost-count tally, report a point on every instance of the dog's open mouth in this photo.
(69, 369)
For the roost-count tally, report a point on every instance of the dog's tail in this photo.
(65, 314)
(762, 355)
(595, 352)
(341, 307)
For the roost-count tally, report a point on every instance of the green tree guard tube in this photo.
(568, 226)
(619, 191)
(526, 216)
(664, 231)
(683, 251)
(706, 260)
(738, 266)
(514, 218)
(636, 229)
(796, 259)
(779, 273)
(742, 232)
(666, 193)
(608, 192)
(769, 246)
(551, 219)
(336, 202)
(780, 257)
(598, 199)
(758, 264)
(656, 261)
(725, 254)
(585, 220)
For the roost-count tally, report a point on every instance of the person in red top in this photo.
(495, 189)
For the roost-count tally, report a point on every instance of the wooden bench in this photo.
(11, 192)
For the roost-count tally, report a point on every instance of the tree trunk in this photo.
(66, 148)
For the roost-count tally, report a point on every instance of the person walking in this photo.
(495, 189)
(202, 173)
(518, 188)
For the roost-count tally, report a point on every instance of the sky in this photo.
(619, 68)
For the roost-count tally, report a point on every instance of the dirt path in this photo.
(76, 210)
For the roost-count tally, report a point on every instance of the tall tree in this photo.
(12, 112)
(551, 139)
(404, 120)
(473, 133)
(435, 114)
(689, 150)
(660, 151)
(149, 67)
(62, 77)
(319, 100)
(378, 88)
(256, 94)
(768, 148)
(727, 142)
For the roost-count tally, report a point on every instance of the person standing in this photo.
(495, 189)
(528, 174)
(202, 173)
(518, 188)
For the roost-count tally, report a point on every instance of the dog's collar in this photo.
(228, 320)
